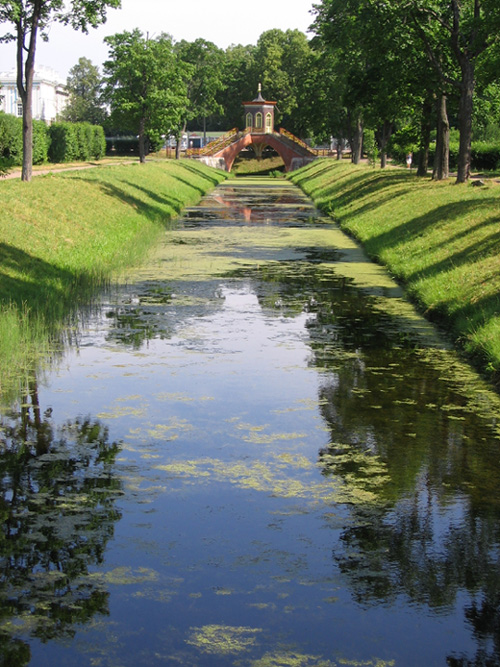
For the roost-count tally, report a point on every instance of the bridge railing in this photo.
(296, 140)
(319, 152)
(216, 145)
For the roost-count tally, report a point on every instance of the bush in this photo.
(98, 148)
(485, 155)
(11, 138)
(63, 142)
(40, 142)
(60, 142)
(76, 141)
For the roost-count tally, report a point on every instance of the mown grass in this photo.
(440, 240)
(64, 235)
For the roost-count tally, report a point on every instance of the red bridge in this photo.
(259, 133)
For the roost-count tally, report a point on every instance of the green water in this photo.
(252, 452)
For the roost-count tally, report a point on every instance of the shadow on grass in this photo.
(446, 213)
(200, 174)
(44, 287)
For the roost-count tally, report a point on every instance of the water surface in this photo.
(253, 452)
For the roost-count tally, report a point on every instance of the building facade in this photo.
(49, 94)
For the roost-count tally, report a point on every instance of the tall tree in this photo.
(84, 86)
(30, 18)
(280, 62)
(240, 87)
(144, 84)
(471, 28)
(206, 79)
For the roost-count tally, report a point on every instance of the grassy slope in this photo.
(63, 235)
(440, 240)
(72, 228)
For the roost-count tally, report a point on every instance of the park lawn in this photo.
(438, 239)
(63, 236)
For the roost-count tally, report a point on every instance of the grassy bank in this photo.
(440, 240)
(63, 235)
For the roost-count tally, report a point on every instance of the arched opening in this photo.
(269, 123)
(257, 159)
(258, 121)
(249, 120)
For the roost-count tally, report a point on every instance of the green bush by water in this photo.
(439, 239)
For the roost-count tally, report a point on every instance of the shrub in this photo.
(11, 138)
(63, 142)
(98, 148)
(40, 142)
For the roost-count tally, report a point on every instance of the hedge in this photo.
(59, 142)
(76, 141)
(11, 140)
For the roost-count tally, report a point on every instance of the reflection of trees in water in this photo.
(149, 310)
(57, 497)
(411, 445)
(433, 529)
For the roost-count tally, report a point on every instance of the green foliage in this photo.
(205, 78)
(76, 141)
(11, 140)
(63, 142)
(144, 84)
(370, 147)
(84, 87)
(41, 142)
(485, 155)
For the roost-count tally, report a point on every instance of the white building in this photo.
(49, 94)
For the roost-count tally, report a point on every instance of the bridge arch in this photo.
(286, 153)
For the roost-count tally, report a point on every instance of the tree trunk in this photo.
(425, 138)
(178, 142)
(356, 140)
(442, 158)
(142, 141)
(385, 135)
(339, 148)
(465, 120)
(25, 85)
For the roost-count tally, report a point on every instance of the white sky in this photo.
(223, 22)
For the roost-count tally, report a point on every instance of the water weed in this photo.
(438, 239)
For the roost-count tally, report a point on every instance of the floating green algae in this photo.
(223, 639)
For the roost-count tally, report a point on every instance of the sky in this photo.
(223, 22)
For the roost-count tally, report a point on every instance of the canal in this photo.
(252, 451)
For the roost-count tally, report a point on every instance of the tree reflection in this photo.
(432, 530)
(57, 504)
(419, 461)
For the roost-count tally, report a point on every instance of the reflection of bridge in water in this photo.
(259, 134)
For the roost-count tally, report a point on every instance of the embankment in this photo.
(441, 241)
(62, 236)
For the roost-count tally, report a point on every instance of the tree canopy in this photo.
(30, 18)
(145, 84)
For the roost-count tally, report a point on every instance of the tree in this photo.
(145, 85)
(206, 79)
(470, 28)
(238, 77)
(30, 18)
(84, 86)
(280, 63)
